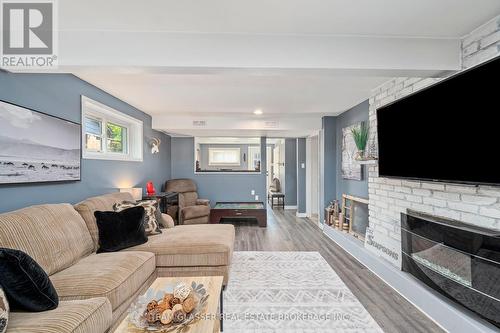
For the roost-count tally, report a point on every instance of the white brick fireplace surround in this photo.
(389, 197)
(479, 205)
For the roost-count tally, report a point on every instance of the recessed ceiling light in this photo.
(258, 112)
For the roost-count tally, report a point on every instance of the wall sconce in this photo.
(135, 191)
(155, 143)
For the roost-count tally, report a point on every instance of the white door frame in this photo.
(309, 179)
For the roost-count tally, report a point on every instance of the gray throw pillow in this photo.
(151, 224)
(4, 311)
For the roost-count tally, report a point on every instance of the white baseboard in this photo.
(290, 207)
(301, 214)
(444, 312)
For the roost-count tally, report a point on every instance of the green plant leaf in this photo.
(360, 135)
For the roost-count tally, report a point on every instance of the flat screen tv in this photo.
(448, 132)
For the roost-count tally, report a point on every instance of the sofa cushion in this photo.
(84, 316)
(55, 236)
(193, 212)
(115, 276)
(119, 230)
(103, 203)
(25, 282)
(151, 220)
(191, 245)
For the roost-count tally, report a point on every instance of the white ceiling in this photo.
(234, 93)
(422, 18)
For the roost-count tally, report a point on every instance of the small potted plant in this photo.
(360, 134)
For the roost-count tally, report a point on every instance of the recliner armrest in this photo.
(203, 202)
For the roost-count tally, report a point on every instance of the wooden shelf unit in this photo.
(348, 210)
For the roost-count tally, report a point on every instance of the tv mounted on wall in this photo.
(448, 132)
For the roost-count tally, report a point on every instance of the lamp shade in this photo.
(135, 191)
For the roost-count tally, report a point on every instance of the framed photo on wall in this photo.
(36, 147)
(350, 168)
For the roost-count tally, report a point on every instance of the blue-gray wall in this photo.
(328, 169)
(217, 187)
(357, 188)
(291, 172)
(301, 175)
(59, 95)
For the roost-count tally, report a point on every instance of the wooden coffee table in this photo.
(236, 210)
(212, 320)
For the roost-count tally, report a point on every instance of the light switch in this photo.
(252, 192)
(303, 165)
(256, 198)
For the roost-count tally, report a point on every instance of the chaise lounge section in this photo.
(95, 290)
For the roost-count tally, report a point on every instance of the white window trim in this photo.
(250, 158)
(211, 151)
(104, 113)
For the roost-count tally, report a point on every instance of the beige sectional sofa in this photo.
(95, 290)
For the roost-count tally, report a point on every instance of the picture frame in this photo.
(36, 147)
(350, 168)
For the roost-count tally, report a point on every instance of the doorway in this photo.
(275, 150)
(312, 178)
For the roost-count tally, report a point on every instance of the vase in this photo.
(360, 155)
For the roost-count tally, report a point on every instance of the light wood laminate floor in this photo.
(286, 232)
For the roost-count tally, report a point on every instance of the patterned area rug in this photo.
(292, 292)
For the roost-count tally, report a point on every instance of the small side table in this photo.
(165, 200)
(278, 195)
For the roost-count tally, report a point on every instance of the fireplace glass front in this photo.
(459, 260)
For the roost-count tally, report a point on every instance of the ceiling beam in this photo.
(252, 125)
(157, 51)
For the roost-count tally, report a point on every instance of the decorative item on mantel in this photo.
(150, 188)
(361, 135)
(135, 191)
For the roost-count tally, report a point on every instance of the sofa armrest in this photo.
(168, 221)
(203, 202)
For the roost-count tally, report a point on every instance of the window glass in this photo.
(116, 138)
(93, 135)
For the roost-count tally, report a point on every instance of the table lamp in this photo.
(135, 191)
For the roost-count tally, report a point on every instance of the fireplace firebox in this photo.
(459, 260)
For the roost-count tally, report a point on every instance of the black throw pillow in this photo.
(25, 283)
(119, 230)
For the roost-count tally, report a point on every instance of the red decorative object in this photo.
(150, 188)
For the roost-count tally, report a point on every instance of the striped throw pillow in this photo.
(151, 224)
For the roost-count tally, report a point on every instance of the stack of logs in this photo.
(334, 216)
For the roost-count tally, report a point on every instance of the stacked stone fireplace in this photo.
(388, 198)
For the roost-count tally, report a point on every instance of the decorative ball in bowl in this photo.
(169, 310)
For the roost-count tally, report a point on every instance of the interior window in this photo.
(227, 154)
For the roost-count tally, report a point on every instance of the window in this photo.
(227, 155)
(224, 156)
(110, 134)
